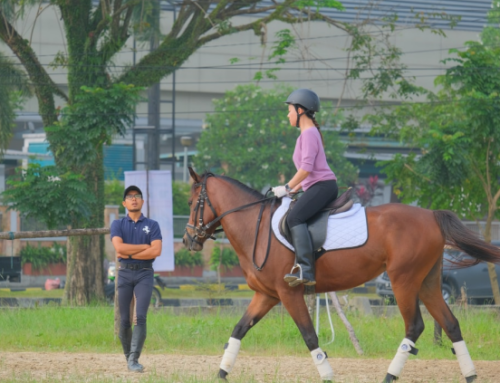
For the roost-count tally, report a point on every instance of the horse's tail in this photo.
(457, 235)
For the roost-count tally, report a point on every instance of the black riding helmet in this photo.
(306, 99)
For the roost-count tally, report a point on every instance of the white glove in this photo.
(280, 191)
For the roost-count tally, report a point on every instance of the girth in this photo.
(318, 224)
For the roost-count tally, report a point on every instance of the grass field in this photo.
(91, 330)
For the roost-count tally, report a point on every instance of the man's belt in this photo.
(137, 266)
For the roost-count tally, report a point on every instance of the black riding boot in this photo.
(125, 336)
(304, 254)
(138, 338)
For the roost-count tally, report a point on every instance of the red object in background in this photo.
(52, 269)
(52, 284)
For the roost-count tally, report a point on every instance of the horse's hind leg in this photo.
(432, 297)
(259, 306)
(406, 297)
(296, 306)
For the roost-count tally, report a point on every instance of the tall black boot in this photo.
(125, 336)
(304, 255)
(138, 339)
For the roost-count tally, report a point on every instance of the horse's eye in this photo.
(190, 203)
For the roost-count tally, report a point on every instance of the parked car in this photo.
(475, 279)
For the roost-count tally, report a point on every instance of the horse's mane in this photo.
(254, 193)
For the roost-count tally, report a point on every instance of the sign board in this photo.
(156, 187)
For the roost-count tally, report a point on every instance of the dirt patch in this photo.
(79, 366)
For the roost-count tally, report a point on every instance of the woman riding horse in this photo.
(314, 176)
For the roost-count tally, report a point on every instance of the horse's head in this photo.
(202, 213)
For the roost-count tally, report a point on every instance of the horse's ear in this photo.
(194, 176)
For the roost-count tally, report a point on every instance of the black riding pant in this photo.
(313, 200)
(138, 283)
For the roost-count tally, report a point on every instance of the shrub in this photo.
(40, 256)
(228, 260)
(181, 192)
(184, 257)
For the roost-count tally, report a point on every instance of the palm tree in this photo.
(14, 88)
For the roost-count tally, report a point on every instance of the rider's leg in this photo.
(311, 202)
(304, 255)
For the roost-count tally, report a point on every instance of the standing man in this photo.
(137, 241)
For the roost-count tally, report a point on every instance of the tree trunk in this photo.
(491, 267)
(84, 278)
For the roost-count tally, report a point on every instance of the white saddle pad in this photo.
(345, 230)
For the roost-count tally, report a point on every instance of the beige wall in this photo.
(321, 45)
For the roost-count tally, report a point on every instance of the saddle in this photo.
(318, 224)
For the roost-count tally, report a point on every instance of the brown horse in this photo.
(405, 241)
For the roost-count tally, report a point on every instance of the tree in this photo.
(250, 138)
(13, 89)
(455, 163)
(94, 35)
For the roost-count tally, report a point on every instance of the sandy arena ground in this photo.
(74, 367)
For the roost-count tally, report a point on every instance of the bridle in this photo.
(201, 230)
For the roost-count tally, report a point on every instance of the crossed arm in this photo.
(142, 252)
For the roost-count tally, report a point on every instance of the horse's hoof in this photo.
(389, 378)
(222, 375)
(470, 379)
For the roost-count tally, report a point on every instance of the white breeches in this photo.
(230, 354)
(324, 368)
(464, 359)
(401, 357)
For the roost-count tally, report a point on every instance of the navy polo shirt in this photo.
(142, 232)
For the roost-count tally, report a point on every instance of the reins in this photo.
(201, 230)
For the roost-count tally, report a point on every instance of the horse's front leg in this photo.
(294, 302)
(259, 306)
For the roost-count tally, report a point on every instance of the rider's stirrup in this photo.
(292, 277)
(295, 279)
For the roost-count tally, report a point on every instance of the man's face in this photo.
(133, 201)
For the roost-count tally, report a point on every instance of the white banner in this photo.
(156, 187)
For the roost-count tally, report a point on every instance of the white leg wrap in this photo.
(230, 354)
(401, 357)
(324, 368)
(464, 359)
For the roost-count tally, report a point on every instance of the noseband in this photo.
(201, 230)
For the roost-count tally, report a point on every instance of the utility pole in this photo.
(154, 104)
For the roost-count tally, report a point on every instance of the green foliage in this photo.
(89, 123)
(184, 257)
(113, 193)
(13, 91)
(455, 163)
(285, 42)
(227, 260)
(48, 195)
(250, 139)
(181, 192)
(42, 256)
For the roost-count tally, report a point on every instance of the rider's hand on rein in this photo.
(280, 191)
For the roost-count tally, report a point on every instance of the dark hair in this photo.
(310, 114)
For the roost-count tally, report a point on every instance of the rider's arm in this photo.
(295, 182)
